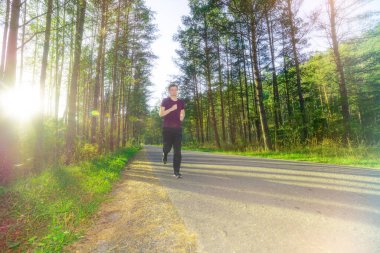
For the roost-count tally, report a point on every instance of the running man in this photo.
(172, 109)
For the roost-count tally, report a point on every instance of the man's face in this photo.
(173, 91)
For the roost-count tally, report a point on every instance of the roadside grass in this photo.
(41, 213)
(360, 156)
(139, 217)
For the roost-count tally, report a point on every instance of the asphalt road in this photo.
(244, 204)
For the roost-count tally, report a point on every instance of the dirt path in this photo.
(138, 217)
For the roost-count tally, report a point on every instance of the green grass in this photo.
(43, 212)
(356, 156)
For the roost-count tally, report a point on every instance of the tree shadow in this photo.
(336, 193)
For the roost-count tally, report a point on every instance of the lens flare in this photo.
(20, 103)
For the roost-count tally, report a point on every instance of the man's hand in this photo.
(174, 107)
(164, 112)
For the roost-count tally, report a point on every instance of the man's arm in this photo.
(164, 112)
(182, 115)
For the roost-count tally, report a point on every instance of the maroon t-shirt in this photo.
(172, 119)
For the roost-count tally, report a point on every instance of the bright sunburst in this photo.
(20, 103)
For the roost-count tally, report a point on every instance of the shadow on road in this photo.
(336, 191)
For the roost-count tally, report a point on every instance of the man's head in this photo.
(173, 89)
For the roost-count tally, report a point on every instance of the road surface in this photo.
(245, 204)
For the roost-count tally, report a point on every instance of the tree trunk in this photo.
(298, 72)
(259, 89)
(5, 38)
(22, 44)
(286, 81)
(114, 81)
(95, 108)
(208, 77)
(256, 117)
(11, 55)
(39, 147)
(221, 95)
(8, 136)
(339, 68)
(71, 126)
(276, 96)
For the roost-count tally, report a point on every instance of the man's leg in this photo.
(167, 141)
(177, 150)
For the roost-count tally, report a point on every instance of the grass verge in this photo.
(138, 216)
(357, 156)
(41, 213)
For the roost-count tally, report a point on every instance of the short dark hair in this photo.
(172, 85)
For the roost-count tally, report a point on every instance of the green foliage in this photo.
(327, 151)
(51, 205)
(88, 151)
(361, 64)
(2, 190)
(217, 60)
(152, 131)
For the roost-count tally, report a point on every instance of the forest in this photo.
(74, 79)
(75, 87)
(251, 80)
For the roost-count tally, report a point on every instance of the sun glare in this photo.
(20, 103)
